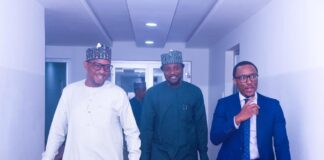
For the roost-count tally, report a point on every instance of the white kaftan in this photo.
(93, 120)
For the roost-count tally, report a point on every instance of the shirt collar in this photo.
(242, 97)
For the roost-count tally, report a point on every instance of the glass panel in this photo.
(158, 76)
(187, 72)
(149, 70)
(125, 78)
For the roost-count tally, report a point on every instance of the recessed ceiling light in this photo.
(149, 42)
(151, 24)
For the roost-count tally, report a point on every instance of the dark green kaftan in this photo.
(173, 123)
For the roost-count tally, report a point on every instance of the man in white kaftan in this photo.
(93, 114)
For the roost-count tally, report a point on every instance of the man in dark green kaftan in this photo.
(173, 124)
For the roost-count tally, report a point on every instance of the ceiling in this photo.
(197, 23)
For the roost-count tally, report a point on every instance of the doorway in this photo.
(55, 81)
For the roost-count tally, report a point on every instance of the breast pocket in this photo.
(187, 112)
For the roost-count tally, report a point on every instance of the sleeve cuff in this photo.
(236, 125)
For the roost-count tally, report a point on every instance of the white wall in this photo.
(128, 51)
(216, 89)
(285, 40)
(22, 47)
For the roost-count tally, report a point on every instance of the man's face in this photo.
(97, 72)
(246, 79)
(140, 93)
(173, 73)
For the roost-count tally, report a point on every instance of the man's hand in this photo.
(248, 110)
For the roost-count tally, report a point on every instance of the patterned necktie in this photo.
(246, 138)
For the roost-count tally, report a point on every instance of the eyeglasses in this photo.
(97, 66)
(244, 78)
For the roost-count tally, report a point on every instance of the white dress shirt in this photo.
(94, 120)
(254, 153)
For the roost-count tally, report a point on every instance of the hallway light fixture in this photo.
(149, 42)
(151, 24)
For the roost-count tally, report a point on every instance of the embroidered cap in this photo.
(99, 52)
(173, 57)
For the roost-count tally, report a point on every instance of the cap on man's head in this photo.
(99, 52)
(139, 85)
(173, 57)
